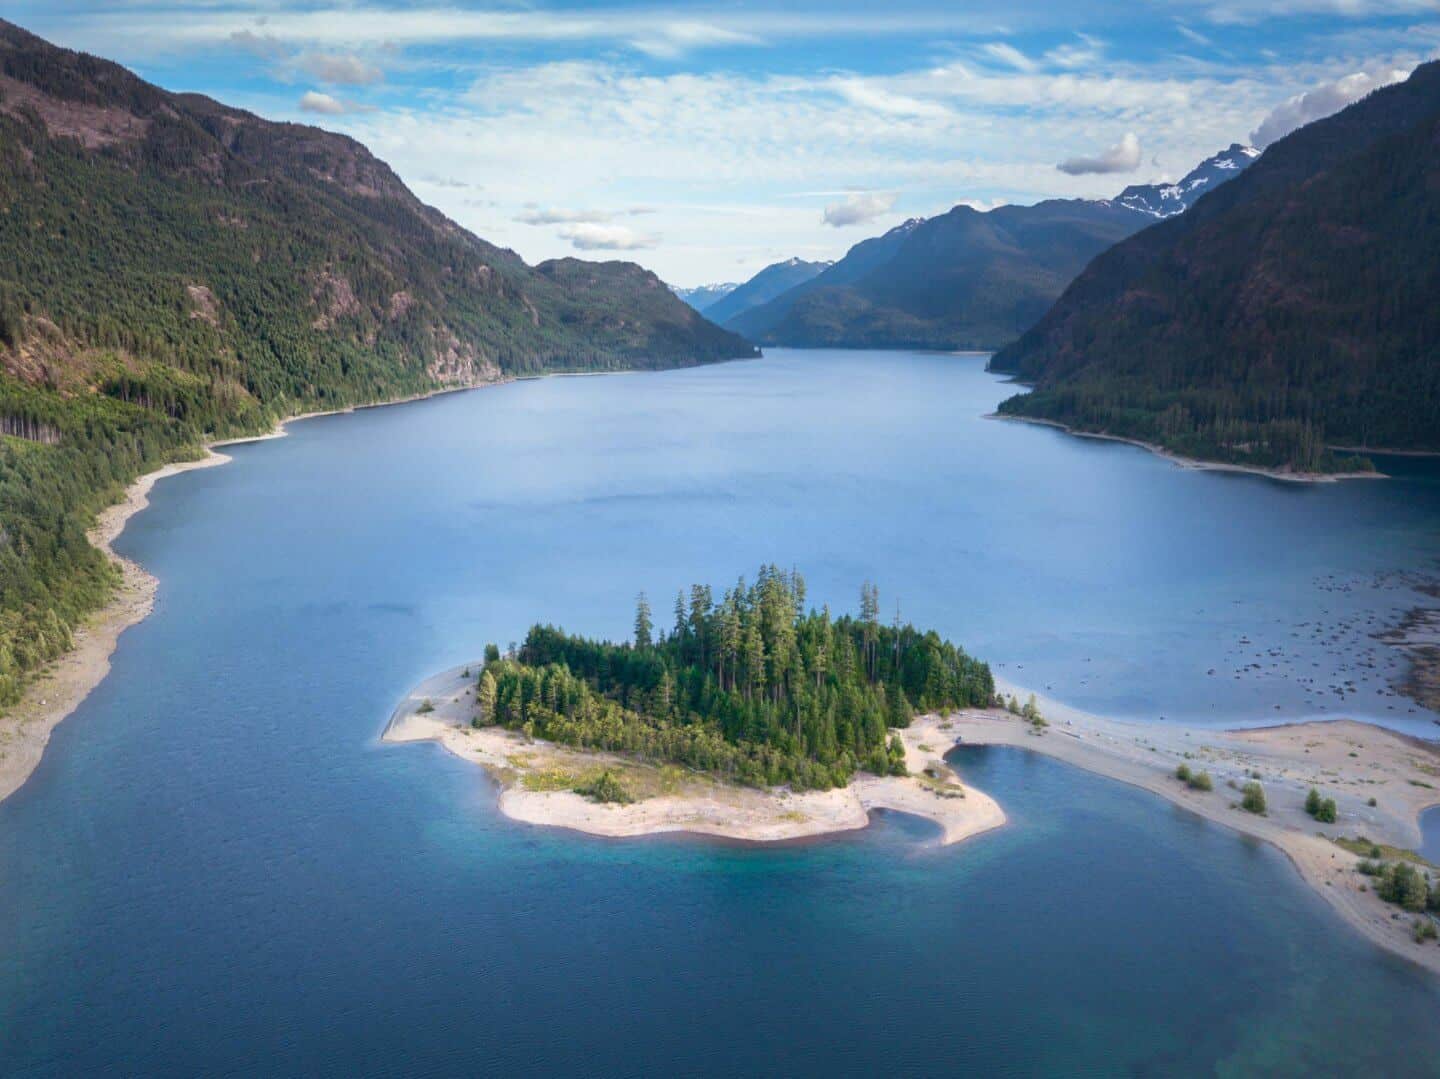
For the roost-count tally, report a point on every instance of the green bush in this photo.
(1182, 773)
(1252, 798)
(606, 787)
(1201, 781)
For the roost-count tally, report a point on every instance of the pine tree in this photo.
(485, 699)
(644, 627)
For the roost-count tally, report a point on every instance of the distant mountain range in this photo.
(703, 296)
(1295, 307)
(968, 279)
(770, 282)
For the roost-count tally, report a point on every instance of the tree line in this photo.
(751, 686)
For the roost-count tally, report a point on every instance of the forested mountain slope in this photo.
(175, 269)
(1293, 308)
(965, 279)
(968, 278)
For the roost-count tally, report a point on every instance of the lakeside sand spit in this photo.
(1348, 761)
(684, 801)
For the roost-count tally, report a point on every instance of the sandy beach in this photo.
(25, 728)
(1194, 463)
(1348, 761)
(678, 800)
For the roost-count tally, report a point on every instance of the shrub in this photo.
(425, 707)
(1372, 803)
(1201, 781)
(606, 787)
(1424, 930)
(1182, 773)
(1403, 885)
(1252, 798)
(1327, 813)
(1312, 802)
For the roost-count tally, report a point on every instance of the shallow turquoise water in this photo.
(218, 868)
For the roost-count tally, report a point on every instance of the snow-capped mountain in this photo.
(1167, 200)
(702, 297)
(770, 282)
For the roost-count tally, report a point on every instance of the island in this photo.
(754, 719)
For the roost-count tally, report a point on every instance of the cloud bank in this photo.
(592, 236)
(1321, 102)
(324, 104)
(858, 208)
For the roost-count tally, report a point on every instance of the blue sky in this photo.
(706, 140)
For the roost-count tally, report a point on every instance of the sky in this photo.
(707, 140)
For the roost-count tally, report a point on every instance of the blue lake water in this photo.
(217, 868)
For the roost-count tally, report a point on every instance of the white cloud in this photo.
(1087, 53)
(669, 41)
(339, 69)
(1009, 54)
(1249, 12)
(1193, 36)
(553, 216)
(868, 95)
(1321, 102)
(1124, 156)
(656, 32)
(592, 236)
(314, 101)
(858, 208)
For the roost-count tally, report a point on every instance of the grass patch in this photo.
(550, 779)
(1380, 851)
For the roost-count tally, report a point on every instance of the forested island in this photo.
(752, 688)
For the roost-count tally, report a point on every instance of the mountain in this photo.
(967, 279)
(770, 282)
(1167, 200)
(702, 297)
(1290, 309)
(175, 269)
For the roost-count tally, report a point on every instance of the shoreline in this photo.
(1349, 761)
(526, 771)
(1196, 464)
(61, 688)
(1345, 759)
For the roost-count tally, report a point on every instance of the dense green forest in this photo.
(751, 688)
(1290, 311)
(176, 271)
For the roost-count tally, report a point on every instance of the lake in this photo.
(218, 868)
